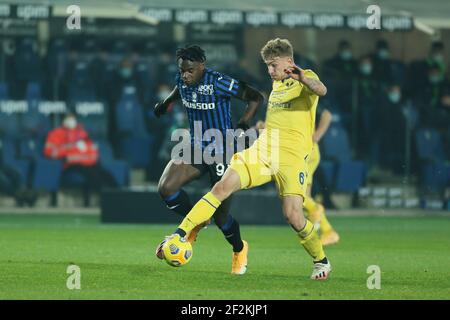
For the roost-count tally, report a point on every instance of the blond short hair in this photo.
(277, 48)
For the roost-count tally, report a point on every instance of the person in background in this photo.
(383, 66)
(368, 128)
(71, 143)
(12, 184)
(123, 77)
(394, 115)
(419, 70)
(433, 100)
(342, 69)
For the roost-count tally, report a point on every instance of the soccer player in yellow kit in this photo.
(279, 154)
(315, 212)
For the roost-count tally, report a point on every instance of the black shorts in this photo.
(215, 168)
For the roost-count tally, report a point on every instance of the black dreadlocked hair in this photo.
(192, 53)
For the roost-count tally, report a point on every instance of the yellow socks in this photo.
(309, 239)
(202, 211)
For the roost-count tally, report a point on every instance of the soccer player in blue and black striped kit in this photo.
(206, 96)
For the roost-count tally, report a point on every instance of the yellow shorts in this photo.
(313, 162)
(290, 173)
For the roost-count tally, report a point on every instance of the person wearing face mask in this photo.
(430, 100)
(365, 67)
(436, 57)
(341, 69)
(394, 115)
(367, 100)
(72, 144)
(419, 70)
(384, 68)
(123, 77)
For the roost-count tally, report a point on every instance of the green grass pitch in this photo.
(118, 262)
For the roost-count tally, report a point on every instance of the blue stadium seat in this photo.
(46, 172)
(136, 151)
(9, 125)
(35, 124)
(33, 91)
(105, 150)
(129, 114)
(47, 175)
(335, 144)
(350, 174)
(329, 171)
(118, 169)
(429, 145)
(94, 118)
(434, 176)
(81, 85)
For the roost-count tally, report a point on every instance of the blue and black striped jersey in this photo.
(208, 104)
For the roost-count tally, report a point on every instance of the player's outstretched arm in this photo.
(315, 85)
(161, 107)
(254, 99)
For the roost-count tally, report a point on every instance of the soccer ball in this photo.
(177, 251)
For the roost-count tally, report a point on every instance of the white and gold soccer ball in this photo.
(177, 251)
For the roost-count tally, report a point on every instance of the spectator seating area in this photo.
(112, 87)
(25, 124)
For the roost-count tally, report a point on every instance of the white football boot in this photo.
(321, 271)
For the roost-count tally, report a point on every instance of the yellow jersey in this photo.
(292, 111)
